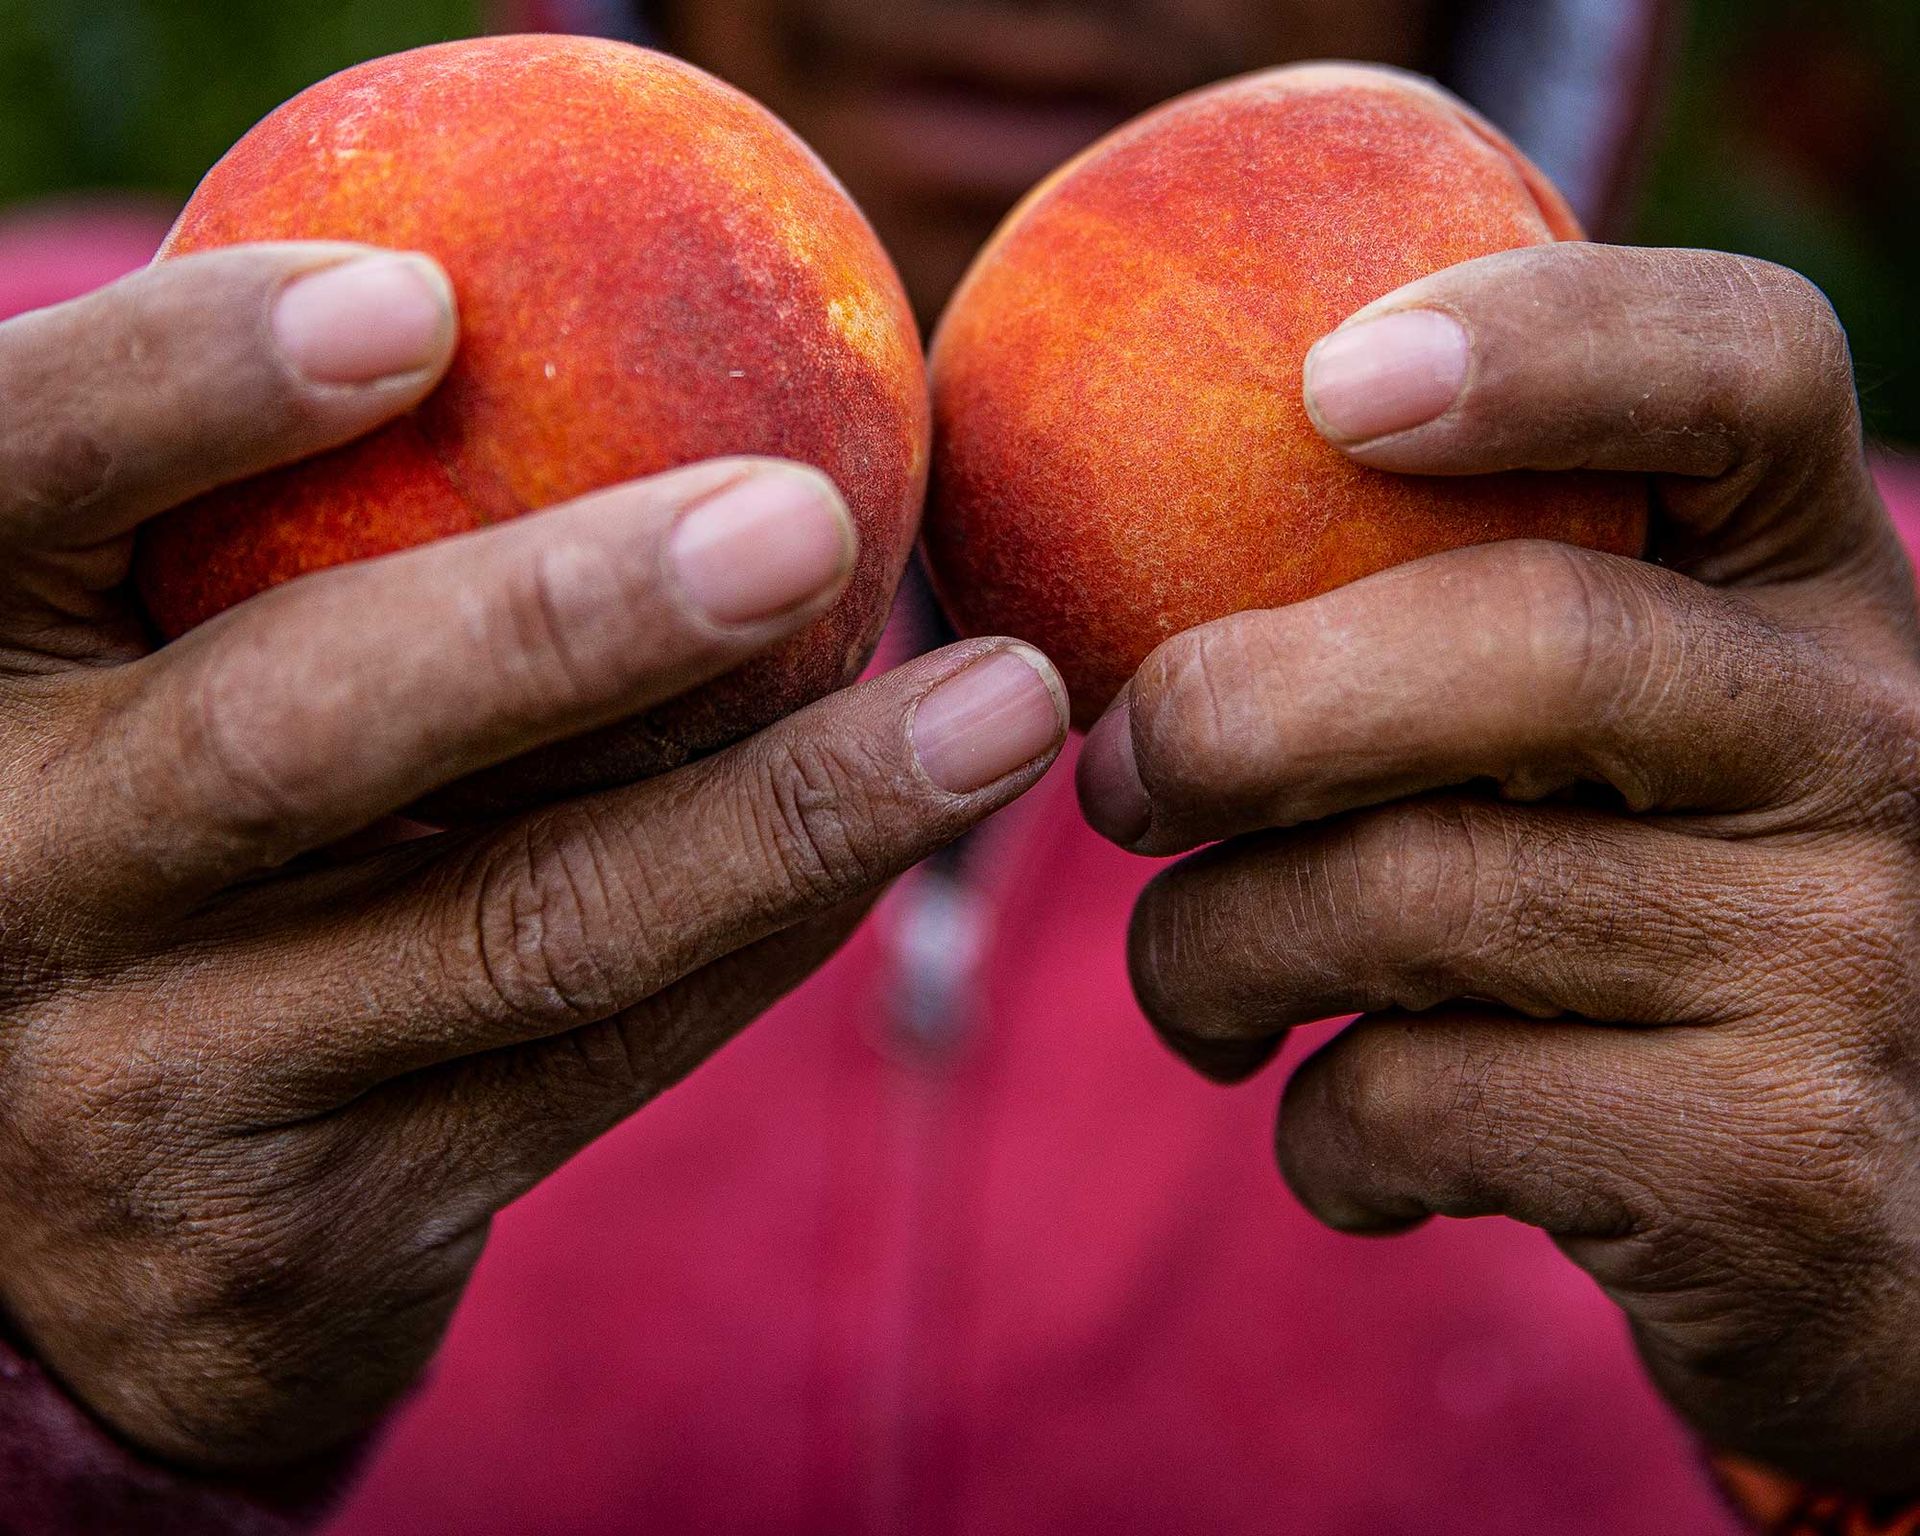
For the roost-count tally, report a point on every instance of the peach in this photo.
(1121, 447)
(651, 270)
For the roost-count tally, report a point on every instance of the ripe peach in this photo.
(651, 270)
(1121, 448)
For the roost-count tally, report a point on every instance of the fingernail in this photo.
(996, 717)
(767, 543)
(374, 318)
(1112, 798)
(1387, 375)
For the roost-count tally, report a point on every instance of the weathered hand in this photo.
(256, 1109)
(1620, 861)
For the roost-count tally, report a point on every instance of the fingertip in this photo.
(1001, 714)
(1113, 798)
(1351, 1219)
(1381, 375)
(1227, 1063)
(1321, 1164)
(776, 540)
(384, 317)
(1326, 1199)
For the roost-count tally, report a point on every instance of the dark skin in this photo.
(1655, 990)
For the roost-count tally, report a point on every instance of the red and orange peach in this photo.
(651, 270)
(1121, 448)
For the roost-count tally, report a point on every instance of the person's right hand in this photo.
(256, 1111)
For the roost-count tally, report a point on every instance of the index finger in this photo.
(572, 915)
(1532, 665)
(327, 703)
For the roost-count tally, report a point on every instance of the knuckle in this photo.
(55, 456)
(1268, 934)
(77, 383)
(253, 784)
(1778, 1201)
(527, 640)
(136, 326)
(1455, 892)
(1432, 1115)
(812, 821)
(1808, 1157)
(164, 340)
(535, 905)
(1601, 641)
(244, 1259)
(1828, 943)
(270, 1217)
(1795, 357)
(279, 1253)
(54, 465)
(1423, 872)
(1576, 288)
(1164, 938)
(1575, 619)
(1199, 724)
(1376, 1084)
(1797, 308)
(1358, 918)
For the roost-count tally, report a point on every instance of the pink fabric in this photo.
(57, 251)
(1899, 478)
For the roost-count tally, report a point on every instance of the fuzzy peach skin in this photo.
(651, 270)
(1121, 448)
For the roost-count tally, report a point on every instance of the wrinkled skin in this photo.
(1618, 861)
(270, 1061)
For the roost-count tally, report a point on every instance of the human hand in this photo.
(258, 1101)
(1620, 861)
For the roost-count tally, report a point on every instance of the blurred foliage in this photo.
(1794, 134)
(149, 93)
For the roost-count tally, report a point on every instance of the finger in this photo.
(1531, 665)
(1547, 911)
(202, 371)
(1563, 1127)
(1728, 377)
(324, 704)
(1595, 1135)
(1696, 1180)
(500, 1123)
(570, 916)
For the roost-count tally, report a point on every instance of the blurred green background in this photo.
(1794, 133)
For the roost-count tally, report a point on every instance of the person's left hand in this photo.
(1620, 860)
